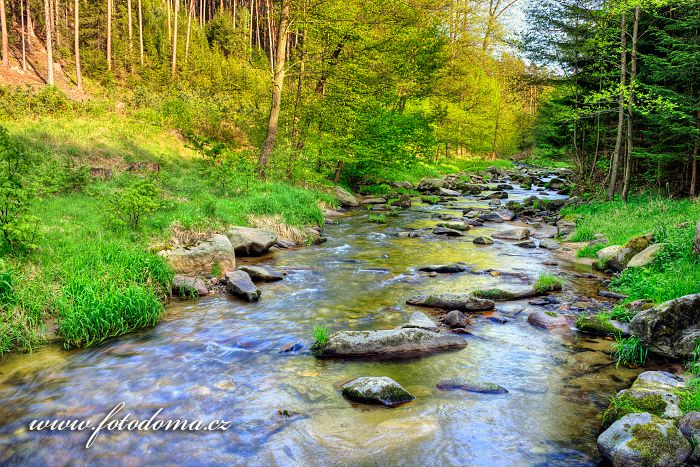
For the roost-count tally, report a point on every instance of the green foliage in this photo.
(589, 251)
(629, 351)
(17, 191)
(693, 364)
(548, 283)
(690, 396)
(377, 218)
(430, 199)
(130, 206)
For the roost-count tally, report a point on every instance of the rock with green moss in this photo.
(602, 326)
(444, 268)
(452, 301)
(388, 343)
(643, 439)
(624, 255)
(470, 385)
(380, 390)
(501, 295)
(670, 329)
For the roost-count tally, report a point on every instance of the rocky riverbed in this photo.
(513, 385)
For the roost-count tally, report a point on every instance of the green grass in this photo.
(629, 352)
(320, 334)
(589, 251)
(377, 218)
(676, 271)
(548, 283)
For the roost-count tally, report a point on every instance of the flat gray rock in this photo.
(389, 342)
(452, 301)
(421, 321)
(467, 384)
(262, 273)
(239, 284)
(520, 233)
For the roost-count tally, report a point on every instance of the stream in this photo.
(220, 358)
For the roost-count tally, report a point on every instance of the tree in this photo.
(621, 107)
(140, 32)
(277, 84)
(174, 61)
(76, 26)
(109, 35)
(5, 42)
(630, 105)
(49, 45)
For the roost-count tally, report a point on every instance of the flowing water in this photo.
(219, 358)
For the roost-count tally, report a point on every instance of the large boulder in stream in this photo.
(247, 241)
(345, 198)
(240, 285)
(387, 343)
(380, 390)
(547, 320)
(452, 301)
(670, 329)
(200, 258)
(643, 439)
(431, 184)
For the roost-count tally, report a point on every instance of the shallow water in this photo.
(219, 358)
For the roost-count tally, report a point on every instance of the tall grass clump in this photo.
(629, 352)
(110, 290)
(548, 283)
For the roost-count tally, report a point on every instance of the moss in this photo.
(551, 313)
(598, 324)
(654, 446)
(626, 404)
(494, 294)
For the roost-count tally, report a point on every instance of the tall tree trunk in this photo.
(109, 35)
(49, 45)
(277, 84)
(131, 28)
(190, 13)
(140, 31)
(297, 141)
(76, 25)
(24, 36)
(5, 41)
(174, 67)
(30, 25)
(170, 28)
(694, 160)
(630, 105)
(621, 107)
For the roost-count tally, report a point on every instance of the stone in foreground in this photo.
(483, 241)
(247, 241)
(643, 439)
(452, 301)
(670, 329)
(466, 384)
(376, 390)
(262, 273)
(390, 342)
(240, 285)
(547, 320)
(456, 319)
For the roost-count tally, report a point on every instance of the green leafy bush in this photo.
(130, 206)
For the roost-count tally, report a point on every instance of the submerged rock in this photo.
(505, 295)
(376, 390)
(643, 439)
(461, 226)
(240, 285)
(452, 301)
(247, 241)
(421, 321)
(466, 384)
(200, 258)
(389, 342)
(549, 244)
(262, 273)
(513, 234)
(447, 232)
(444, 268)
(670, 329)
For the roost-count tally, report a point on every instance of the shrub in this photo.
(377, 218)
(17, 191)
(130, 206)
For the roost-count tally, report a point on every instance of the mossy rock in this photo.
(376, 390)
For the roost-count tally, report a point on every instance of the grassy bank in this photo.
(675, 272)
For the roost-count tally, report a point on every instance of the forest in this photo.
(448, 208)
